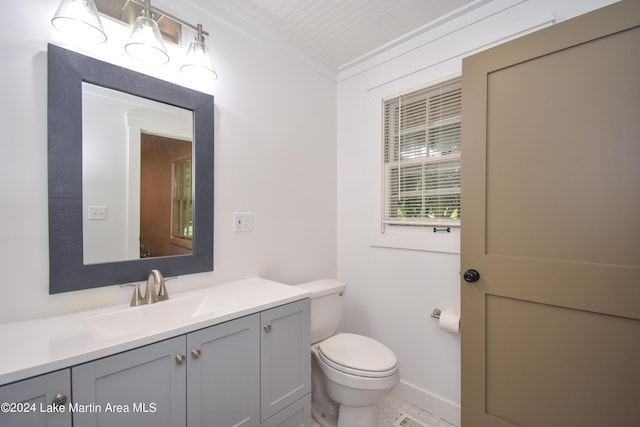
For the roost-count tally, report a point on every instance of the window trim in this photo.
(390, 147)
(381, 235)
(184, 242)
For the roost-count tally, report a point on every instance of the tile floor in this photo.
(389, 409)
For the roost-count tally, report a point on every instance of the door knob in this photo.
(267, 327)
(471, 275)
(195, 353)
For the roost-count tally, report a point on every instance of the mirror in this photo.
(133, 170)
(72, 266)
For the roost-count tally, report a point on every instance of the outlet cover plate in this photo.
(242, 222)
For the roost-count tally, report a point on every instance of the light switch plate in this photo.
(97, 213)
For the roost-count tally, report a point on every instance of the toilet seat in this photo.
(358, 355)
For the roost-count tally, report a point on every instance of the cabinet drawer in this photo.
(296, 415)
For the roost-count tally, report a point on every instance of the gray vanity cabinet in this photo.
(210, 377)
(251, 371)
(285, 358)
(37, 402)
(223, 374)
(141, 387)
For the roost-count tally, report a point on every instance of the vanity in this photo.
(233, 354)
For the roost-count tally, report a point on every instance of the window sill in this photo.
(184, 243)
(418, 239)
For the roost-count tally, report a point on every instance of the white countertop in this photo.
(44, 345)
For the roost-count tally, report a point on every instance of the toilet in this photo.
(349, 372)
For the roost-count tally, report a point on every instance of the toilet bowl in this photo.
(350, 372)
(357, 372)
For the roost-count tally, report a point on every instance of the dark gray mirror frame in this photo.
(67, 272)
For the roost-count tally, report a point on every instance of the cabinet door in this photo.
(296, 415)
(36, 395)
(224, 374)
(141, 387)
(286, 356)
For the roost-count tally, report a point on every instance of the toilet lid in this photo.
(358, 355)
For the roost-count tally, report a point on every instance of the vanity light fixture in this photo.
(198, 62)
(79, 18)
(145, 42)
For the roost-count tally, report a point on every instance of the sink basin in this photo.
(212, 305)
(162, 315)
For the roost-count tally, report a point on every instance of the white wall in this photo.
(105, 178)
(391, 291)
(275, 156)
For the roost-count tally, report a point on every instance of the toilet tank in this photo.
(327, 298)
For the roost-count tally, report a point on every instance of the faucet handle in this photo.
(136, 298)
(162, 292)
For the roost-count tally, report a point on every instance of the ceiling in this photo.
(340, 33)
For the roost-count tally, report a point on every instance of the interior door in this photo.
(551, 208)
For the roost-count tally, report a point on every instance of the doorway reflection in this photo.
(166, 217)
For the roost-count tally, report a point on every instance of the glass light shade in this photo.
(79, 18)
(198, 62)
(145, 42)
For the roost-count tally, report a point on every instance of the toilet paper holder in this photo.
(436, 313)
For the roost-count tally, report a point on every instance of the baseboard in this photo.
(436, 405)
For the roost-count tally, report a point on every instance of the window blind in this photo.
(182, 214)
(422, 135)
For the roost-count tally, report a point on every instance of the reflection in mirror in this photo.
(176, 114)
(129, 149)
(166, 225)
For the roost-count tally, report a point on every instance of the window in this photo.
(182, 213)
(422, 142)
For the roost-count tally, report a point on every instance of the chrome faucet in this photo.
(150, 295)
